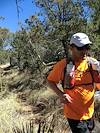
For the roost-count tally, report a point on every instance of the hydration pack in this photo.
(69, 81)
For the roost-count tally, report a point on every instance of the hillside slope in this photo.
(24, 100)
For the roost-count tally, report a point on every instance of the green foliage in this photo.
(5, 40)
(94, 27)
(96, 12)
(3, 36)
(26, 51)
(62, 19)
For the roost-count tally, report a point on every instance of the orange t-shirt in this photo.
(82, 107)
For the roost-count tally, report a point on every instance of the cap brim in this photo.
(88, 43)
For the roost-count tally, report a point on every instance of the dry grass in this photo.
(14, 112)
(9, 115)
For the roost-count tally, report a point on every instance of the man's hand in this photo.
(65, 98)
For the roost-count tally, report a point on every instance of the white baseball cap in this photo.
(80, 39)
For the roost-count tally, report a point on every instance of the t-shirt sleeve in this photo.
(56, 74)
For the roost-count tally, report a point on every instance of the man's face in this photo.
(75, 53)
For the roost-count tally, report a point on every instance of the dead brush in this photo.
(48, 125)
(40, 126)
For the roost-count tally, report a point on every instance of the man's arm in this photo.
(65, 98)
(54, 77)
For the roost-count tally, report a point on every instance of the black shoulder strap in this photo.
(64, 76)
(91, 72)
(63, 81)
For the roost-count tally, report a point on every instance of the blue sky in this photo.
(8, 11)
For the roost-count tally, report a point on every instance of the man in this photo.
(79, 99)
